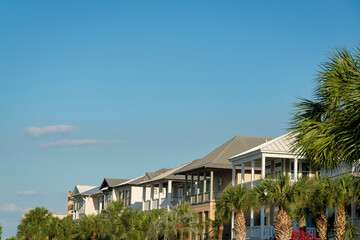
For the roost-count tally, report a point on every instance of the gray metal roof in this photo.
(91, 191)
(151, 175)
(219, 157)
(168, 175)
(282, 144)
(112, 182)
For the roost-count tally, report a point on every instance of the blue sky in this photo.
(141, 85)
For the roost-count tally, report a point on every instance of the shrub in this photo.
(299, 235)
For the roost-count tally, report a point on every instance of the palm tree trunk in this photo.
(283, 225)
(340, 222)
(240, 226)
(302, 223)
(220, 232)
(321, 225)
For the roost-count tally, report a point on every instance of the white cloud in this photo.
(11, 208)
(48, 130)
(78, 142)
(28, 192)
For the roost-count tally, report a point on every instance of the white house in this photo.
(87, 200)
(166, 190)
(270, 159)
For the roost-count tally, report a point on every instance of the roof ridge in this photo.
(231, 141)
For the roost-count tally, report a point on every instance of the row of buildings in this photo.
(241, 160)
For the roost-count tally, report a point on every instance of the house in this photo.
(70, 204)
(207, 177)
(107, 187)
(130, 193)
(271, 159)
(86, 200)
(170, 190)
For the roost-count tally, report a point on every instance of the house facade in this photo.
(86, 200)
(166, 190)
(206, 178)
(271, 159)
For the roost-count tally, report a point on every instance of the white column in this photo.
(263, 166)
(151, 195)
(186, 187)
(262, 221)
(251, 217)
(191, 187)
(143, 198)
(159, 195)
(242, 173)
(353, 212)
(204, 187)
(169, 193)
(232, 225)
(211, 185)
(233, 175)
(295, 169)
(252, 173)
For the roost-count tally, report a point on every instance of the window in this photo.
(220, 184)
(278, 168)
(267, 170)
(207, 185)
(305, 169)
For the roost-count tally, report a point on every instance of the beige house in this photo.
(207, 177)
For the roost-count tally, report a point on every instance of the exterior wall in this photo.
(136, 197)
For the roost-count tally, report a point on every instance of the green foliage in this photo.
(178, 223)
(35, 224)
(351, 231)
(0, 231)
(281, 192)
(326, 129)
(346, 190)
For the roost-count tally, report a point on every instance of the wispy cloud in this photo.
(12, 208)
(79, 142)
(48, 130)
(28, 192)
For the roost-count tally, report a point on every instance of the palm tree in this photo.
(69, 229)
(321, 198)
(236, 199)
(327, 129)
(281, 193)
(303, 203)
(345, 194)
(35, 224)
(92, 227)
(222, 216)
(179, 223)
(55, 229)
(113, 218)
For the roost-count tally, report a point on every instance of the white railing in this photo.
(357, 223)
(146, 205)
(154, 203)
(311, 230)
(268, 232)
(255, 232)
(255, 182)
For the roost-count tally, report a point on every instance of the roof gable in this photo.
(282, 144)
(78, 189)
(111, 182)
